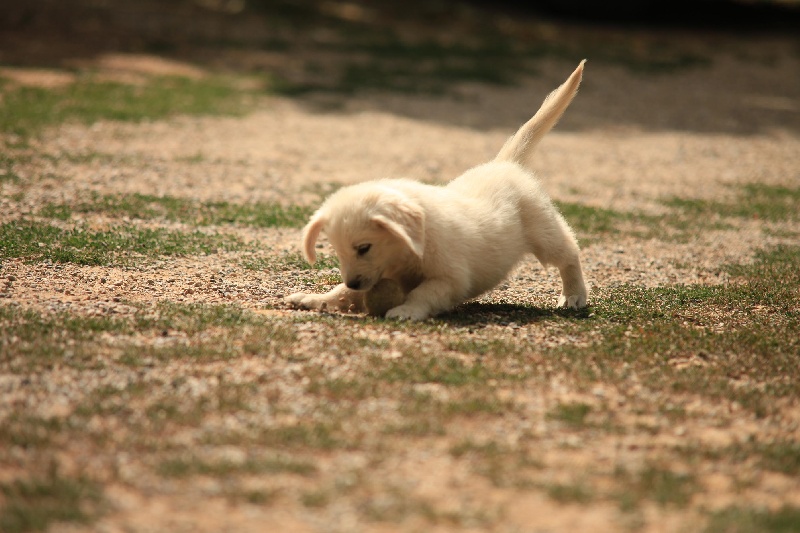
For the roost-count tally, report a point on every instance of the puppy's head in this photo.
(375, 230)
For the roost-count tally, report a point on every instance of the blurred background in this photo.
(327, 51)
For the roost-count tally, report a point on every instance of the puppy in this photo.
(447, 244)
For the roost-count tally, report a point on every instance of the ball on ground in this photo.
(385, 295)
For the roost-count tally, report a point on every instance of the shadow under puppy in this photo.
(412, 250)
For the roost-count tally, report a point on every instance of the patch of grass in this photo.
(339, 389)
(778, 456)
(30, 338)
(7, 172)
(30, 325)
(36, 241)
(569, 493)
(316, 436)
(499, 463)
(476, 404)
(36, 503)
(445, 370)
(571, 414)
(417, 427)
(470, 314)
(28, 110)
(111, 401)
(72, 338)
(315, 499)
(744, 329)
(29, 432)
(147, 207)
(595, 220)
(494, 347)
(289, 261)
(56, 211)
(754, 201)
(257, 497)
(192, 318)
(662, 486)
(194, 466)
(395, 505)
(214, 348)
(749, 520)
(490, 449)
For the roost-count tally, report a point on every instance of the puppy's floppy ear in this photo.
(311, 234)
(404, 219)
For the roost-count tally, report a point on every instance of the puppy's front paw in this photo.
(407, 312)
(302, 300)
(576, 301)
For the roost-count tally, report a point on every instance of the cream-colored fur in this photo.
(448, 244)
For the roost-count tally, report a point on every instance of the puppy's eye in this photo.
(362, 249)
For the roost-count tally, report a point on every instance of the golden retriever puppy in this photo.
(447, 244)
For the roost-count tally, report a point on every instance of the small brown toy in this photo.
(385, 295)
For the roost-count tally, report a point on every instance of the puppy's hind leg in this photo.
(554, 243)
(573, 291)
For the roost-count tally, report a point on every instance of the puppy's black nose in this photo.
(354, 283)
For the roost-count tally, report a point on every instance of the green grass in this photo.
(7, 171)
(777, 455)
(148, 207)
(444, 370)
(34, 504)
(571, 414)
(750, 520)
(753, 201)
(35, 241)
(75, 340)
(315, 436)
(596, 220)
(28, 110)
(48, 338)
(192, 318)
(488, 450)
(315, 499)
(495, 347)
(647, 328)
(194, 466)
(29, 431)
(570, 493)
(662, 486)
(289, 261)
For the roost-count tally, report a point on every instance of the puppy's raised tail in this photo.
(519, 147)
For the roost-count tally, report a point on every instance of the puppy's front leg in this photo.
(431, 297)
(340, 298)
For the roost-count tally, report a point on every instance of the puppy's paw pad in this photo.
(406, 312)
(576, 301)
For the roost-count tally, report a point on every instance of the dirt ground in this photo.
(629, 141)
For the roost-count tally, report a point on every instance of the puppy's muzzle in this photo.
(357, 283)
